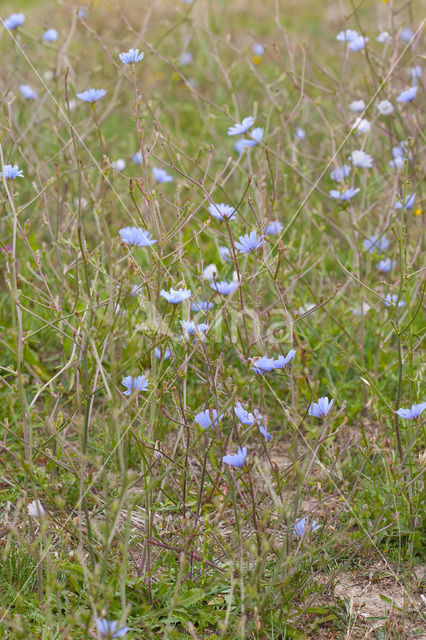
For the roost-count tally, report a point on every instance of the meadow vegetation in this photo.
(212, 320)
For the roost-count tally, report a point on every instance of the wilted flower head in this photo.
(136, 236)
(11, 172)
(357, 106)
(273, 228)
(139, 383)
(111, 628)
(321, 408)
(361, 125)
(14, 21)
(408, 95)
(175, 296)
(223, 287)
(382, 37)
(385, 265)
(131, 56)
(91, 95)
(391, 299)
(237, 459)
(385, 108)
(191, 328)
(413, 413)
(207, 418)
(35, 509)
(302, 526)
(249, 242)
(358, 43)
(409, 201)
(51, 35)
(347, 36)
(241, 127)
(376, 243)
(361, 159)
(210, 272)
(349, 193)
(340, 173)
(222, 211)
(161, 175)
(244, 416)
(28, 92)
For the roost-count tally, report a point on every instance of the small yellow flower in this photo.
(418, 212)
(257, 59)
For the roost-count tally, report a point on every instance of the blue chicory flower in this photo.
(161, 175)
(357, 106)
(347, 36)
(406, 34)
(361, 159)
(237, 459)
(110, 628)
(358, 43)
(91, 95)
(241, 127)
(413, 413)
(201, 305)
(28, 92)
(321, 408)
(273, 228)
(136, 236)
(265, 433)
(263, 364)
(382, 37)
(131, 56)
(175, 296)
(391, 299)
(139, 383)
(416, 73)
(225, 254)
(340, 173)
(222, 211)
(409, 201)
(302, 526)
(191, 328)
(11, 172)
(283, 361)
(258, 49)
(349, 193)
(51, 35)
(376, 243)
(385, 265)
(244, 143)
(245, 417)
(300, 134)
(408, 95)
(162, 355)
(14, 21)
(223, 287)
(208, 418)
(137, 157)
(249, 242)
(186, 58)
